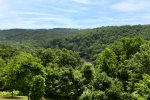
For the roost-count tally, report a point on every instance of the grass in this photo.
(14, 98)
(5, 95)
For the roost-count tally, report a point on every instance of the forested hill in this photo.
(121, 71)
(93, 41)
(88, 42)
(36, 37)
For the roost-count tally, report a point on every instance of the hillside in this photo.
(88, 42)
(35, 37)
(116, 66)
(93, 41)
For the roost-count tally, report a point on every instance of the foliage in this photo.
(37, 88)
(93, 95)
(88, 73)
(101, 81)
(61, 82)
(142, 89)
(61, 57)
(118, 72)
(2, 64)
(90, 42)
(107, 62)
(7, 93)
(38, 37)
(20, 71)
(114, 92)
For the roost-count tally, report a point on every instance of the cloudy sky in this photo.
(72, 13)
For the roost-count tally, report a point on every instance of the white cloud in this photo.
(132, 5)
(71, 10)
(36, 13)
(91, 2)
(83, 1)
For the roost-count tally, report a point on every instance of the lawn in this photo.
(14, 98)
(5, 95)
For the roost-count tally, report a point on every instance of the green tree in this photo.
(37, 87)
(114, 92)
(107, 62)
(68, 58)
(142, 89)
(126, 59)
(20, 71)
(47, 56)
(2, 65)
(93, 95)
(61, 82)
(88, 73)
(60, 57)
(101, 81)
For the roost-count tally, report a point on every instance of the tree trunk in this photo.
(12, 93)
(28, 97)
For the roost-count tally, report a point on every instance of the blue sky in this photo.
(72, 13)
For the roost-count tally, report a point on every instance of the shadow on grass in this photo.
(13, 98)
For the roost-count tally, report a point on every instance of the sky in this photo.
(38, 14)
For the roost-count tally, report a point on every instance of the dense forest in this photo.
(35, 37)
(106, 63)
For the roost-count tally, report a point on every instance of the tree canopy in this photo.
(107, 63)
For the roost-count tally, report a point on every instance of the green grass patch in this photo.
(14, 98)
(7, 93)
